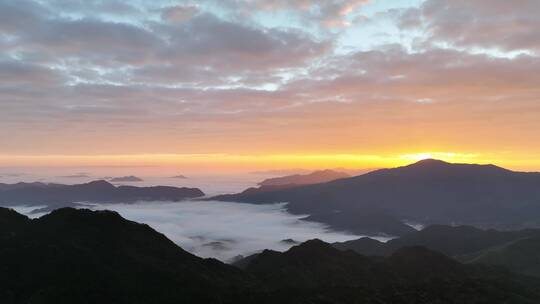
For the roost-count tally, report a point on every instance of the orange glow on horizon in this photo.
(244, 163)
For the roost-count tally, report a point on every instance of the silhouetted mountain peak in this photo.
(71, 217)
(99, 184)
(430, 162)
(428, 168)
(79, 255)
(314, 246)
(72, 212)
(365, 246)
(10, 214)
(316, 177)
(10, 220)
(436, 164)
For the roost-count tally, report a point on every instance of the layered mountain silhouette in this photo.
(452, 241)
(295, 180)
(315, 177)
(429, 192)
(82, 256)
(57, 195)
(315, 272)
(518, 251)
(520, 256)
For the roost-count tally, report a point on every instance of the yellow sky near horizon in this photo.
(223, 163)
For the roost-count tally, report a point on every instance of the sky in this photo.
(269, 84)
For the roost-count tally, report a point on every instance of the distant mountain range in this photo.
(429, 192)
(82, 256)
(293, 181)
(59, 195)
(315, 177)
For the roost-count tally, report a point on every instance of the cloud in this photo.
(264, 76)
(15, 72)
(92, 41)
(335, 103)
(77, 175)
(17, 16)
(224, 230)
(491, 24)
(204, 41)
(432, 74)
(327, 14)
(130, 178)
(222, 45)
(111, 7)
(179, 13)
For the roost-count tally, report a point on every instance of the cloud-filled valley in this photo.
(223, 230)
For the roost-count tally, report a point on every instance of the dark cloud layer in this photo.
(499, 24)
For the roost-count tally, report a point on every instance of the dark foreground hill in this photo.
(429, 192)
(520, 256)
(452, 241)
(316, 272)
(58, 195)
(518, 251)
(82, 256)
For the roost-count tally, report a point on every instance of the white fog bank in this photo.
(224, 230)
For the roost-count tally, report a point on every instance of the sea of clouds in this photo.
(224, 230)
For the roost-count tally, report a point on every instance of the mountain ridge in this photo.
(410, 275)
(83, 256)
(517, 251)
(99, 191)
(315, 177)
(428, 192)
